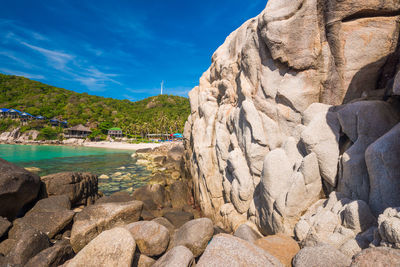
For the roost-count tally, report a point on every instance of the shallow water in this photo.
(53, 159)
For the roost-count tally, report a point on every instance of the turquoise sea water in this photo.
(53, 159)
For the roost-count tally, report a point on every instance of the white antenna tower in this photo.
(162, 85)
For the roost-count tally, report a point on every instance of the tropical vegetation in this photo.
(158, 114)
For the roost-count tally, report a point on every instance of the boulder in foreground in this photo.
(151, 238)
(18, 187)
(115, 247)
(179, 256)
(93, 220)
(194, 235)
(227, 250)
(324, 255)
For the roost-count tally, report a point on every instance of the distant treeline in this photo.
(158, 114)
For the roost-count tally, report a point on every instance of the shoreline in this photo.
(121, 145)
(103, 144)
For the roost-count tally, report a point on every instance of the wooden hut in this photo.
(78, 131)
(115, 132)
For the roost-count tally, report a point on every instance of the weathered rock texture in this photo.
(81, 188)
(299, 101)
(18, 187)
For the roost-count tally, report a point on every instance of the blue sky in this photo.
(121, 49)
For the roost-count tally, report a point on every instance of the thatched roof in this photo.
(80, 128)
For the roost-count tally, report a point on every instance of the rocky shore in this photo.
(15, 137)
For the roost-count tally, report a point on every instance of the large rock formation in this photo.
(18, 187)
(299, 102)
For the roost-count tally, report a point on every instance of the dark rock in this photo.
(50, 216)
(141, 260)
(144, 150)
(146, 215)
(160, 159)
(322, 255)
(219, 230)
(29, 243)
(93, 220)
(81, 188)
(178, 218)
(116, 197)
(53, 203)
(247, 233)
(379, 256)
(53, 256)
(179, 194)
(50, 223)
(176, 152)
(194, 235)
(4, 226)
(6, 246)
(153, 196)
(18, 187)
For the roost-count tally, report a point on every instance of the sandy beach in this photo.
(121, 145)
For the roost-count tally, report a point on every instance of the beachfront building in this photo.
(157, 137)
(54, 122)
(115, 132)
(4, 113)
(78, 131)
(14, 114)
(26, 116)
(40, 117)
(64, 124)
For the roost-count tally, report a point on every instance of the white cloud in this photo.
(57, 59)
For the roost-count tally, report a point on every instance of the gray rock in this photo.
(363, 122)
(227, 250)
(153, 196)
(52, 256)
(53, 203)
(324, 255)
(50, 216)
(28, 243)
(164, 222)
(194, 235)
(115, 247)
(389, 227)
(151, 238)
(357, 216)
(178, 218)
(81, 188)
(4, 226)
(247, 233)
(179, 256)
(50, 223)
(93, 220)
(115, 197)
(18, 187)
(179, 194)
(382, 159)
(372, 257)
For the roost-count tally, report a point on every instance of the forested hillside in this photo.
(164, 113)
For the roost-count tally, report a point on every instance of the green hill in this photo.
(158, 114)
